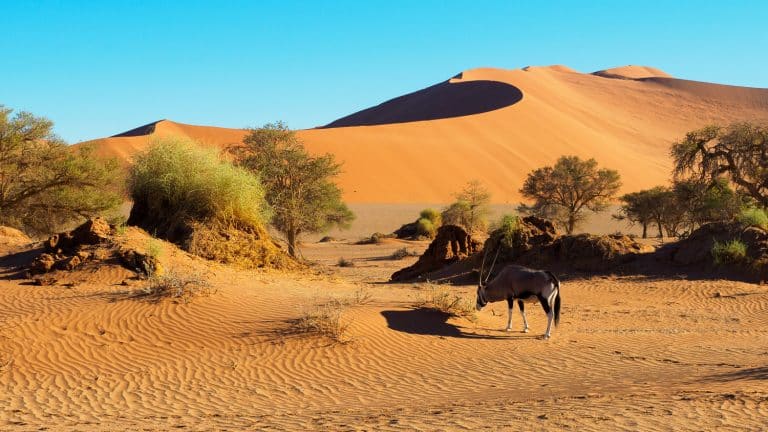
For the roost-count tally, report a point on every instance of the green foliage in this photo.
(736, 151)
(426, 228)
(507, 228)
(432, 215)
(45, 184)
(298, 186)
(753, 216)
(471, 208)
(177, 182)
(730, 252)
(564, 191)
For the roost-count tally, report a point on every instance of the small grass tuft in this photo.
(343, 262)
(175, 285)
(446, 300)
(753, 217)
(402, 253)
(730, 252)
(325, 319)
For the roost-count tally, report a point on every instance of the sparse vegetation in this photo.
(428, 223)
(343, 262)
(402, 253)
(445, 299)
(730, 252)
(44, 184)
(507, 227)
(753, 217)
(323, 319)
(564, 191)
(298, 186)
(175, 285)
(471, 208)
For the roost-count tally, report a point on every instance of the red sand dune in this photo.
(496, 125)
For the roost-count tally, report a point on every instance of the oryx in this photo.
(519, 283)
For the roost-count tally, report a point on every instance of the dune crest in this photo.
(496, 125)
(632, 72)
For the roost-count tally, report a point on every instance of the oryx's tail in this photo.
(556, 282)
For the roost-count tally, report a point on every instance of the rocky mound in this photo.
(534, 242)
(248, 247)
(92, 241)
(696, 249)
(537, 243)
(451, 244)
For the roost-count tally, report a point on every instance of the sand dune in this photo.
(496, 125)
(630, 354)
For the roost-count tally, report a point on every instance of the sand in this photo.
(630, 354)
(626, 118)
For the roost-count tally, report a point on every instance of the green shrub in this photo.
(432, 215)
(730, 252)
(426, 228)
(507, 227)
(753, 216)
(178, 181)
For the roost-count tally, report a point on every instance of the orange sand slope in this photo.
(496, 125)
(630, 354)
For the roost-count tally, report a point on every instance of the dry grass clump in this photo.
(402, 253)
(175, 285)
(245, 248)
(343, 262)
(444, 299)
(324, 319)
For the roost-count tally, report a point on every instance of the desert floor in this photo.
(630, 353)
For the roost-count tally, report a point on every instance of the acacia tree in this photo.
(298, 186)
(738, 152)
(471, 208)
(43, 182)
(638, 207)
(564, 191)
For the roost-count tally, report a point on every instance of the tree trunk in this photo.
(661, 232)
(291, 237)
(571, 224)
(645, 229)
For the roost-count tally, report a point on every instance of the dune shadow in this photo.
(444, 100)
(431, 322)
(750, 374)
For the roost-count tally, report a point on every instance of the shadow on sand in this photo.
(431, 322)
(444, 100)
(751, 374)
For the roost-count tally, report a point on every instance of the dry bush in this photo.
(444, 299)
(323, 319)
(402, 253)
(175, 285)
(361, 296)
(343, 262)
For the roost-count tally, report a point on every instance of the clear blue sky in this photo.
(97, 68)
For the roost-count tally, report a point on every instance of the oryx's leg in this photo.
(510, 305)
(522, 312)
(550, 314)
